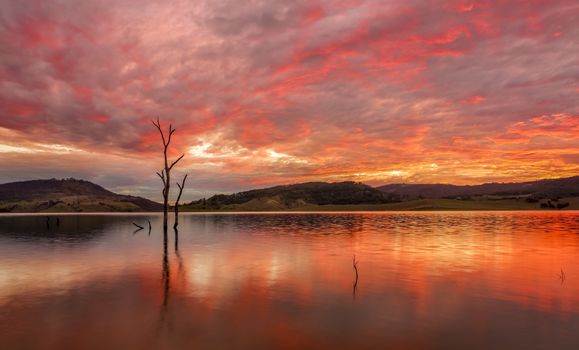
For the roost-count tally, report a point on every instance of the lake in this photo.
(427, 280)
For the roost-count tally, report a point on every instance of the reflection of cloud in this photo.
(217, 276)
(201, 275)
(308, 260)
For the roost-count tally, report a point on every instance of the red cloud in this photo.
(559, 126)
(332, 90)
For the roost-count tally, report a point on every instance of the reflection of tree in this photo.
(165, 277)
(177, 254)
(166, 271)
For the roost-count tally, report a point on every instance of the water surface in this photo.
(459, 280)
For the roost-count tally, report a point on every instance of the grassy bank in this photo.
(416, 205)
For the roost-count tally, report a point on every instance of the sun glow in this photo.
(38, 148)
(318, 97)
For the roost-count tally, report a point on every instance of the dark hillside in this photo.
(67, 195)
(290, 196)
(541, 189)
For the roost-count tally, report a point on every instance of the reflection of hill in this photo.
(291, 224)
(72, 228)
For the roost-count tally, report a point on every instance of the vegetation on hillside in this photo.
(72, 195)
(67, 195)
(536, 190)
(292, 196)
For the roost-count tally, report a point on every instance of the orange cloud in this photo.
(276, 92)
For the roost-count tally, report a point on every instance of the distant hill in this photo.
(541, 189)
(71, 195)
(68, 195)
(314, 196)
(295, 196)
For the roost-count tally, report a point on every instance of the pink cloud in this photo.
(330, 89)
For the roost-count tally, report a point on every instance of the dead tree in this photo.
(181, 186)
(165, 174)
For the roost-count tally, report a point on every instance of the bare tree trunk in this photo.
(181, 186)
(165, 174)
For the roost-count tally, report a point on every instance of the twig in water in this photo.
(562, 276)
(355, 265)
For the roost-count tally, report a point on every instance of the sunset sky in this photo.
(268, 92)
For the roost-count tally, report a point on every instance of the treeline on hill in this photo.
(318, 193)
(534, 190)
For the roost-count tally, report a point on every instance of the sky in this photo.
(268, 92)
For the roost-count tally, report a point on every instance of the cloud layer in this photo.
(270, 92)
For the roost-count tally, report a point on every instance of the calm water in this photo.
(480, 280)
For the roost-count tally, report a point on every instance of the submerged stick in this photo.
(562, 276)
(355, 265)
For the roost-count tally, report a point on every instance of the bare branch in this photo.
(158, 126)
(162, 176)
(171, 132)
(176, 161)
(181, 186)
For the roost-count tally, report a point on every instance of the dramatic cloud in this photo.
(274, 91)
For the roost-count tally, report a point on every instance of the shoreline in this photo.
(236, 212)
(421, 205)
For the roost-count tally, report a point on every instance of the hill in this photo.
(71, 195)
(352, 196)
(68, 195)
(295, 196)
(534, 190)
